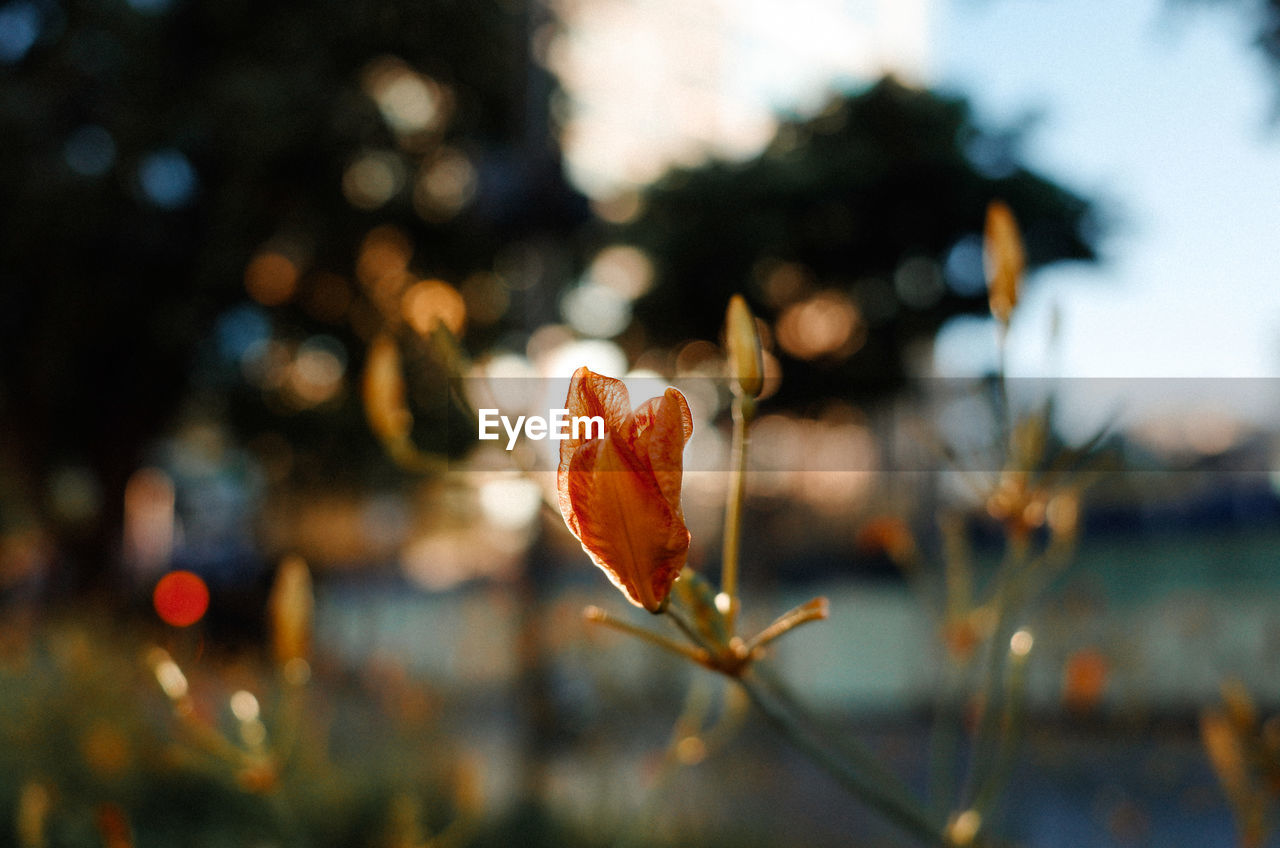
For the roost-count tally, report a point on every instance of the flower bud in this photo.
(290, 607)
(384, 392)
(1003, 259)
(745, 364)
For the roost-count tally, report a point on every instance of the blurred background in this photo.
(259, 263)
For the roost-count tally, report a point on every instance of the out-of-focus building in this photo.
(657, 83)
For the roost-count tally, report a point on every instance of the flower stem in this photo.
(743, 412)
(595, 615)
(991, 780)
(856, 770)
(815, 610)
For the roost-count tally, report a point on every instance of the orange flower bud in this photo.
(384, 392)
(620, 491)
(746, 364)
(1004, 260)
(291, 606)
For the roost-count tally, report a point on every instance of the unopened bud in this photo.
(1226, 754)
(1240, 708)
(1063, 516)
(963, 827)
(468, 785)
(384, 392)
(34, 804)
(290, 608)
(1004, 260)
(745, 363)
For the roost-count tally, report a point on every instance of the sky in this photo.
(1158, 109)
(1162, 112)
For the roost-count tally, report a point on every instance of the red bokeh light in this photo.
(181, 598)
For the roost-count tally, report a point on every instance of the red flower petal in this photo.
(620, 495)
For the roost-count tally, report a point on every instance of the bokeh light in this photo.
(181, 598)
(444, 186)
(238, 330)
(623, 269)
(783, 283)
(825, 325)
(600, 356)
(1021, 643)
(168, 674)
(510, 502)
(434, 303)
(372, 179)
(317, 371)
(411, 103)
(962, 268)
(594, 310)
(19, 30)
(271, 278)
(385, 251)
(244, 705)
(168, 179)
(1084, 679)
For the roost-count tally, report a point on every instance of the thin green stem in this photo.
(996, 776)
(861, 775)
(711, 653)
(595, 615)
(743, 411)
(992, 704)
(944, 743)
(1003, 412)
(1009, 596)
(815, 610)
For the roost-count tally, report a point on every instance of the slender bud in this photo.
(746, 365)
(34, 804)
(468, 785)
(384, 392)
(1228, 757)
(290, 607)
(1004, 260)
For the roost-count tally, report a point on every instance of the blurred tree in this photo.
(1267, 36)
(154, 150)
(1269, 30)
(856, 234)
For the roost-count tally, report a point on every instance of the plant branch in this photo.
(743, 411)
(861, 775)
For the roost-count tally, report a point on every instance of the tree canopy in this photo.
(855, 234)
(156, 151)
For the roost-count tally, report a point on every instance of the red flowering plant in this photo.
(619, 493)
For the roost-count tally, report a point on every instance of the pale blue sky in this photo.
(1161, 111)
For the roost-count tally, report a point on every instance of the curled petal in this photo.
(620, 494)
(663, 426)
